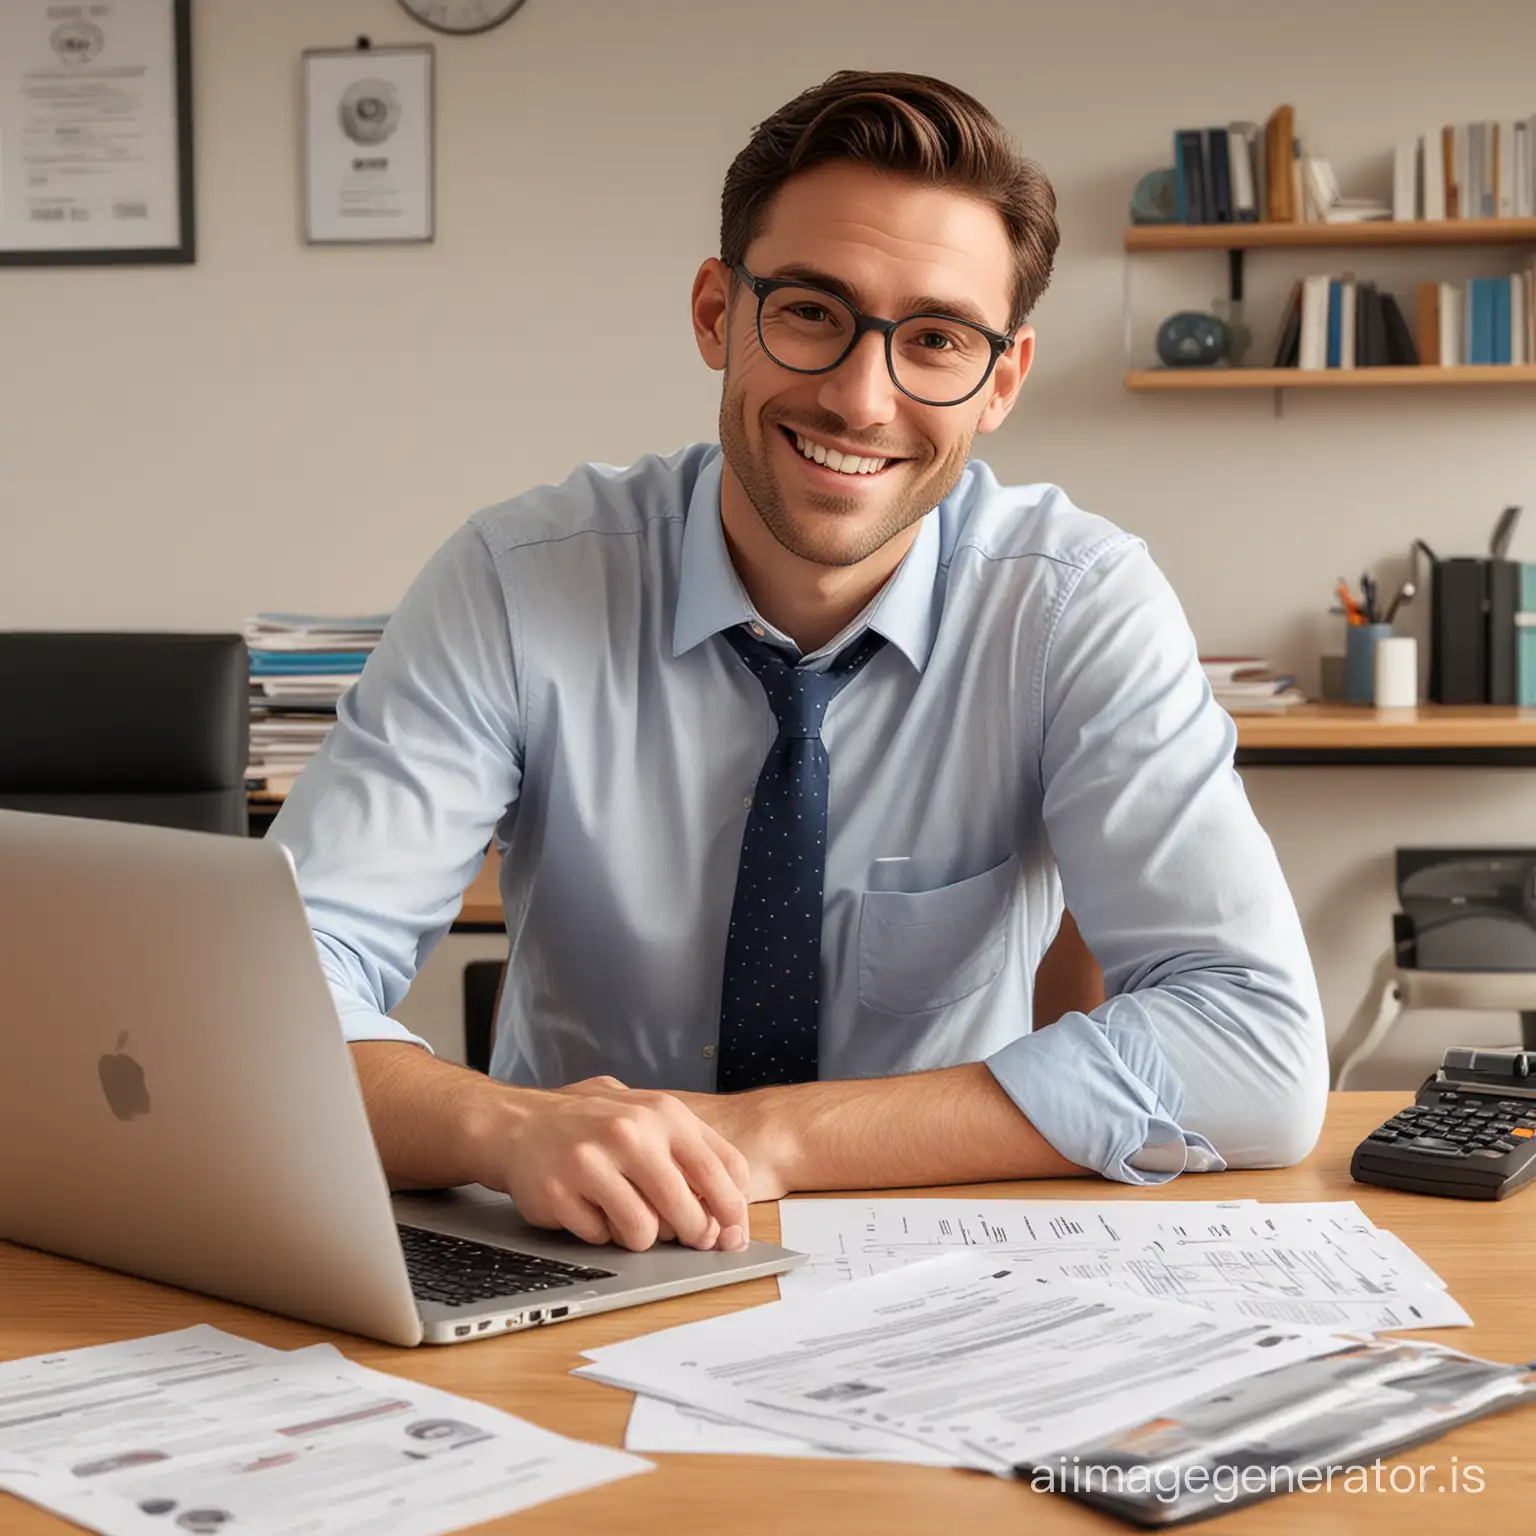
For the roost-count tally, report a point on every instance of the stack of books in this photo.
(1339, 322)
(1244, 173)
(1243, 684)
(1468, 171)
(1240, 172)
(301, 664)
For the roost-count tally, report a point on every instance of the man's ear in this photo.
(711, 309)
(1012, 367)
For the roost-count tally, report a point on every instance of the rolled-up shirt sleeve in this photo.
(390, 822)
(1210, 1050)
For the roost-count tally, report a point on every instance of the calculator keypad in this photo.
(1460, 1126)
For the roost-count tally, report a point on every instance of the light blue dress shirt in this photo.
(1037, 731)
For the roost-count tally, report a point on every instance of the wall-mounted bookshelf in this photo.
(1377, 232)
(1380, 234)
(1461, 377)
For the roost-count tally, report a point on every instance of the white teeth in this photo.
(843, 463)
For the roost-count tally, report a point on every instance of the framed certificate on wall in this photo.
(368, 145)
(95, 132)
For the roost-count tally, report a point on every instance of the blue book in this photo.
(1218, 160)
(1501, 336)
(1525, 639)
(1335, 321)
(1480, 331)
(1189, 149)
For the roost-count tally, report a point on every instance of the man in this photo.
(796, 747)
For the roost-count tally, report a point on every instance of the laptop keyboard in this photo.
(456, 1271)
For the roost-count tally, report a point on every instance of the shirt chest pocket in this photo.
(920, 950)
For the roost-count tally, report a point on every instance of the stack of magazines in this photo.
(301, 664)
(1246, 683)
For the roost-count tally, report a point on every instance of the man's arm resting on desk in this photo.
(952, 1126)
(622, 1167)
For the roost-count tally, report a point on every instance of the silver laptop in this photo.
(177, 1102)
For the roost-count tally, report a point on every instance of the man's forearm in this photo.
(420, 1109)
(953, 1126)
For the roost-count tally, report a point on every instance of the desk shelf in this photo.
(1433, 735)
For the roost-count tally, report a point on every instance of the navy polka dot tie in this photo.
(772, 990)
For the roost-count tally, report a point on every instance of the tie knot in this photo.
(797, 696)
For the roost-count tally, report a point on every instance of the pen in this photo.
(1351, 608)
(1405, 594)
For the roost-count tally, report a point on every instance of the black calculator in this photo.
(1469, 1133)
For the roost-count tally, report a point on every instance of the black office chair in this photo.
(126, 727)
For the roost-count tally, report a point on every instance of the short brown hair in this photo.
(913, 125)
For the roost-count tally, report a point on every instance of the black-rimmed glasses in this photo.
(933, 359)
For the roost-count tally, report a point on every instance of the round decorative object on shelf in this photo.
(462, 17)
(1190, 339)
(1156, 199)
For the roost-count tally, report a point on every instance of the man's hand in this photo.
(749, 1121)
(603, 1162)
(613, 1164)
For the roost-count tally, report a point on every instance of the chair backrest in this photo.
(126, 727)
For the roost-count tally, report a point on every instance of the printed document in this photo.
(1322, 1265)
(198, 1431)
(970, 1356)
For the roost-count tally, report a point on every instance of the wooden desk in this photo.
(1486, 1254)
(1432, 735)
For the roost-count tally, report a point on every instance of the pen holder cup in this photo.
(1360, 642)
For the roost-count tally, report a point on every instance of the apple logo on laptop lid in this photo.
(122, 1080)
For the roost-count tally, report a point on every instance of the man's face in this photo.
(893, 247)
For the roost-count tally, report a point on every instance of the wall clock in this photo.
(462, 17)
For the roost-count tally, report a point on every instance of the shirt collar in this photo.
(711, 598)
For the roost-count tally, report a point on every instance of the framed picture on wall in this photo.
(368, 145)
(95, 132)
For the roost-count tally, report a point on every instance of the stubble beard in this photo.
(830, 542)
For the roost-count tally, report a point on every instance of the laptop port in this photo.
(461, 1331)
(536, 1316)
(555, 1312)
(481, 1327)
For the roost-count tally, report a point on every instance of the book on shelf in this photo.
(1487, 321)
(1241, 172)
(1481, 170)
(1347, 322)
(1343, 322)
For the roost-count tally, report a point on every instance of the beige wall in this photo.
(281, 426)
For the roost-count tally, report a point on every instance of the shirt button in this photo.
(746, 802)
(709, 1052)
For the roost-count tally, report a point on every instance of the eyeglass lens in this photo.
(936, 359)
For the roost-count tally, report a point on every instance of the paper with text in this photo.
(970, 1356)
(1320, 1265)
(198, 1431)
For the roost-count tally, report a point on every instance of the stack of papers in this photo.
(301, 664)
(967, 1361)
(1242, 684)
(202, 1431)
(1312, 1269)
(1325, 1265)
